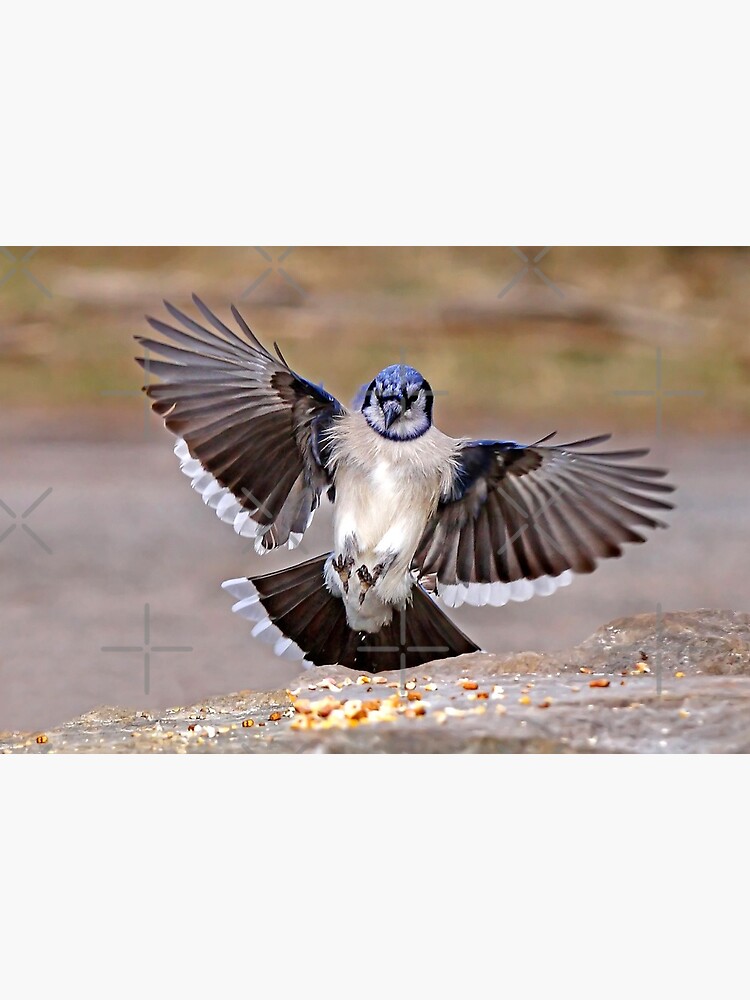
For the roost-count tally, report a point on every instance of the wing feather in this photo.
(519, 518)
(249, 428)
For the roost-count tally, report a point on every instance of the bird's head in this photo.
(398, 403)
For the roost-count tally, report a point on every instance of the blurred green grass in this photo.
(524, 363)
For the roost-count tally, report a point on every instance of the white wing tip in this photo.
(228, 508)
(240, 588)
(497, 595)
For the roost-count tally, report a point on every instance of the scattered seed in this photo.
(469, 685)
(599, 682)
(329, 684)
(325, 706)
(247, 723)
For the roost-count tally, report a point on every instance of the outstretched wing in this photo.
(520, 519)
(250, 430)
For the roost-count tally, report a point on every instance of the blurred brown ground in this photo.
(124, 528)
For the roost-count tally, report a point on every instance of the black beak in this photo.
(392, 410)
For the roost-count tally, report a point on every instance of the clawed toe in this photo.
(343, 567)
(366, 580)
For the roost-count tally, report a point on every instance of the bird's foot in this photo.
(368, 579)
(344, 569)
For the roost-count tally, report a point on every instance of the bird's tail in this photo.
(294, 610)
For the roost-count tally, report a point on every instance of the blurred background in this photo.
(97, 523)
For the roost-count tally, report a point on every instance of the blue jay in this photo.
(418, 515)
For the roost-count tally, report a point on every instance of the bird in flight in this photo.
(418, 516)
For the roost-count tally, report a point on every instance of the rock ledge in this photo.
(675, 683)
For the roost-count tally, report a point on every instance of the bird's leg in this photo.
(383, 566)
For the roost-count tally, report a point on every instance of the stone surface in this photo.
(675, 683)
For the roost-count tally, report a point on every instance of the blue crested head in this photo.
(398, 403)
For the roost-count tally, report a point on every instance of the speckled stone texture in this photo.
(676, 683)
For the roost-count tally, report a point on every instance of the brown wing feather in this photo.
(248, 421)
(531, 512)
